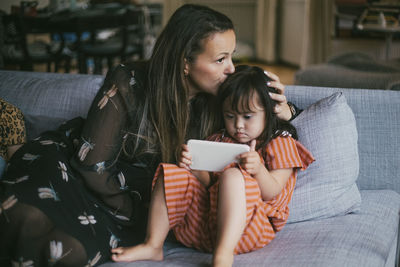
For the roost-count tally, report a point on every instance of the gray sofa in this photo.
(345, 208)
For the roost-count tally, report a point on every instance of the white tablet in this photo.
(214, 156)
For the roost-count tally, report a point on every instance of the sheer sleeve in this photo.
(101, 142)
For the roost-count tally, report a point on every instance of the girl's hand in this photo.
(186, 158)
(282, 109)
(251, 161)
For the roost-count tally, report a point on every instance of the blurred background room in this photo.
(282, 36)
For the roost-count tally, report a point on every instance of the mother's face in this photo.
(211, 67)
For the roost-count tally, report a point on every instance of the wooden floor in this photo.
(285, 72)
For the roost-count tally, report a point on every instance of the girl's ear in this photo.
(186, 67)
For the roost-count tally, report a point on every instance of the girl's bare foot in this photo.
(222, 260)
(136, 253)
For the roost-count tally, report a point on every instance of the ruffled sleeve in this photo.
(216, 137)
(285, 152)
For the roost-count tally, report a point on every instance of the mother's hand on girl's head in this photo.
(282, 109)
(275, 83)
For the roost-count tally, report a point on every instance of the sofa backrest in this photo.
(48, 99)
(377, 114)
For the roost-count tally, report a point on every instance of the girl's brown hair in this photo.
(239, 89)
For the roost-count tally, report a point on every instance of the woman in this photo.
(85, 187)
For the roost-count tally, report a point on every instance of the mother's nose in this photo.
(230, 68)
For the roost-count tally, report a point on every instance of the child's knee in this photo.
(232, 173)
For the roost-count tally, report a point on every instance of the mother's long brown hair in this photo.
(167, 101)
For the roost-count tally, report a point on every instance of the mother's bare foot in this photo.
(136, 253)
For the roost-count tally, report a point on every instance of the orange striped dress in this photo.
(192, 208)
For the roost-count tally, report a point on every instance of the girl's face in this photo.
(245, 125)
(213, 65)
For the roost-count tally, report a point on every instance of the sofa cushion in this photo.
(364, 238)
(327, 188)
(377, 113)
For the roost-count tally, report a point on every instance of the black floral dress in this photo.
(71, 195)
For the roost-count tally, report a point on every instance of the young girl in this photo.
(237, 210)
